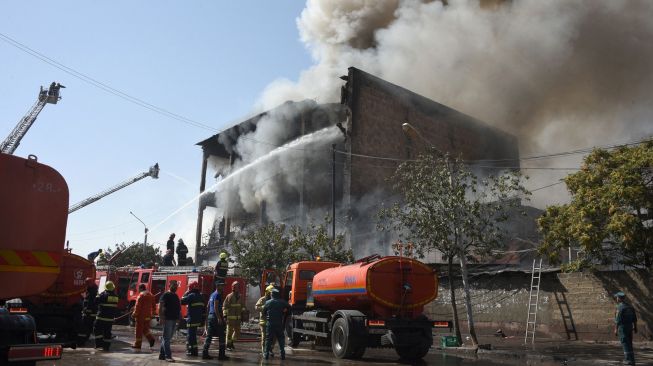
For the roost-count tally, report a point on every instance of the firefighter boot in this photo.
(221, 353)
(206, 356)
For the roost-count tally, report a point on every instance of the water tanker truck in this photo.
(374, 302)
(34, 201)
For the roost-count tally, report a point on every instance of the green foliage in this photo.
(274, 246)
(444, 206)
(609, 216)
(132, 255)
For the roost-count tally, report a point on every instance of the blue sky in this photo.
(207, 61)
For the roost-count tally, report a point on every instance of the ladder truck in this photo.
(152, 172)
(50, 95)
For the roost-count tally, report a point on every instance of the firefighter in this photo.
(261, 322)
(222, 267)
(182, 251)
(107, 303)
(275, 311)
(194, 315)
(144, 309)
(233, 308)
(89, 311)
(215, 324)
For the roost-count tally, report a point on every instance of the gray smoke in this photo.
(559, 74)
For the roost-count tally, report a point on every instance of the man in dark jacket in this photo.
(107, 303)
(182, 251)
(89, 311)
(194, 316)
(170, 245)
(275, 311)
(221, 267)
(215, 324)
(92, 255)
(625, 323)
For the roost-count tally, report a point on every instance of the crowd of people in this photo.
(221, 317)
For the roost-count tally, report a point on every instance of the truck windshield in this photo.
(306, 275)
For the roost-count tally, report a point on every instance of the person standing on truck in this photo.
(143, 310)
(182, 251)
(89, 311)
(233, 308)
(169, 315)
(169, 258)
(222, 267)
(215, 324)
(170, 244)
(92, 255)
(260, 304)
(107, 303)
(194, 315)
(275, 311)
(625, 323)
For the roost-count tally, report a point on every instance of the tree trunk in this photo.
(454, 309)
(468, 301)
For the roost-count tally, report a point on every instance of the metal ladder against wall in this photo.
(533, 301)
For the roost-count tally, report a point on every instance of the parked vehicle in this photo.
(375, 302)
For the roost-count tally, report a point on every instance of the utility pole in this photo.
(144, 241)
(333, 194)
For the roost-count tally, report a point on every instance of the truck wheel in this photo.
(341, 342)
(416, 351)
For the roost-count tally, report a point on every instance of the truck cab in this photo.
(296, 280)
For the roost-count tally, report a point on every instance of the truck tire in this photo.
(360, 351)
(415, 351)
(341, 342)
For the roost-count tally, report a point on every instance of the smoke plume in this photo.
(559, 74)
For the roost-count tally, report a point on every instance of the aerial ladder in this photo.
(152, 172)
(50, 95)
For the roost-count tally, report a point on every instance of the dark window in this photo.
(132, 282)
(289, 279)
(123, 283)
(145, 277)
(306, 275)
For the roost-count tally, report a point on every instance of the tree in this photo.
(443, 206)
(274, 246)
(133, 255)
(610, 215)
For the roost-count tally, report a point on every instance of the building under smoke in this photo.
(301, 161)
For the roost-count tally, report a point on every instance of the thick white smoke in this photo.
(559, 74)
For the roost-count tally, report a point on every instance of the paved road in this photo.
(246, 354)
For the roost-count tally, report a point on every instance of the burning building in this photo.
(304, 160)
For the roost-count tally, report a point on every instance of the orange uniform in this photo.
(143, 311)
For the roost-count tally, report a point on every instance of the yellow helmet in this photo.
(269, 289)
(223, 255)
(109, 286)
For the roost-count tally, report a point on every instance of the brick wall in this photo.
(572, 306)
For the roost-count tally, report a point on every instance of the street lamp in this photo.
(144, 241)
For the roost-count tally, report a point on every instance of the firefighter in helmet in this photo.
(144, 309)
(262, 321)
(89, 311)
(233, 308)
(195, 315)
(107, 303)
(222, 267)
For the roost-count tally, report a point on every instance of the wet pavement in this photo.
(246, 353)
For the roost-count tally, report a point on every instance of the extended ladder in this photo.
(533, 300)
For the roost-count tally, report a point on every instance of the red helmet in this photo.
(194, 286)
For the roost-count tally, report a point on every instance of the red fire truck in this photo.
(127, 280)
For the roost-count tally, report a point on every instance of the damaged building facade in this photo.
(304, 160)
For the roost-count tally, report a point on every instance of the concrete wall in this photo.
(572, 306)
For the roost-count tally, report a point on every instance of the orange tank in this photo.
(34, 201)
(381, 287)
(70, 284)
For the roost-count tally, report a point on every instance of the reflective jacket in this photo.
(107, 303)
(89, 306)
(233, 307)
(221, 268)
(195, 302)
(259, 306)
(145, 306)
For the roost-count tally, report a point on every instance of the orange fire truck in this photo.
(157, 279)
